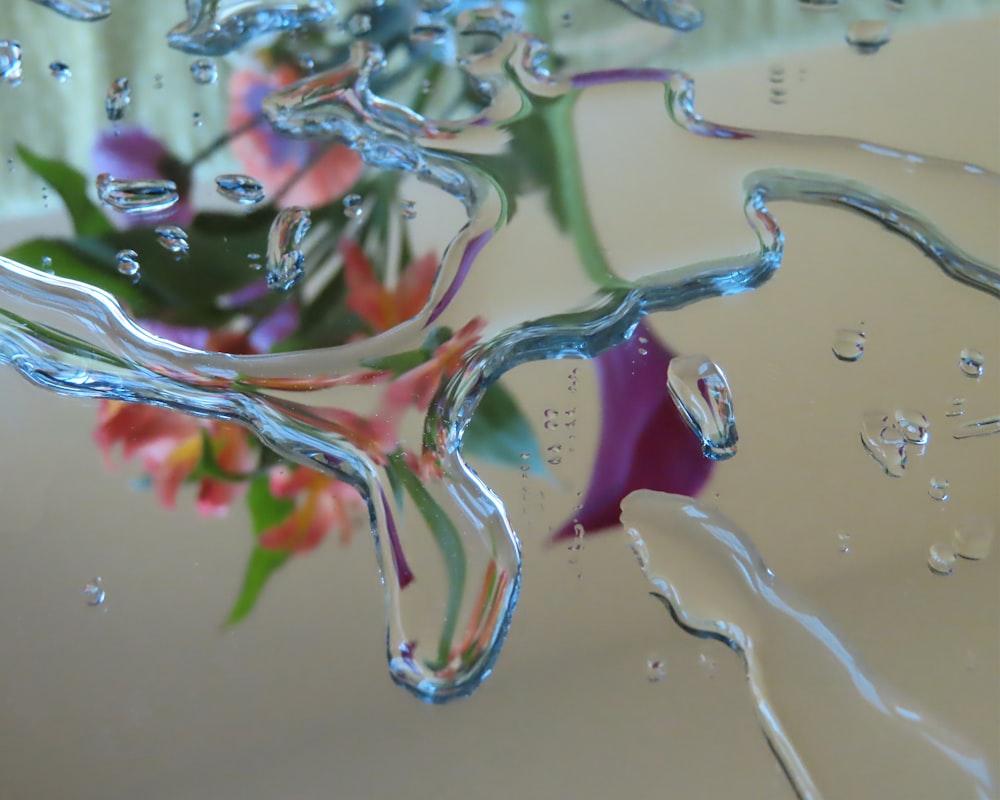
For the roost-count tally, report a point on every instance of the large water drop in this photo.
(285, 261)
(971, 362)
(241, 189)
(884, 442)
(941, 558)
(839, 731)
(848, 344)
(137, 196)
(173, 239)
(701, 393)
(868, 36)
(117, 99)
(973, 538)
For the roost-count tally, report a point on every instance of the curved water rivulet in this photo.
(838, 731)
(79, 340)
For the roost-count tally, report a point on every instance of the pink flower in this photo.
(322, 506)
(385, 308)
(276, 160)
(130, 153)
(170, 446)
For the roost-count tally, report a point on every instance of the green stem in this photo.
(572, 192)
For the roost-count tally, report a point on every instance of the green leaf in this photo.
(71, 186)
(449, 542)
(401, 363)
(266, 511)
(499, 432)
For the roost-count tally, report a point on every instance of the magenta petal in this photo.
(278, 325)
(644, 443)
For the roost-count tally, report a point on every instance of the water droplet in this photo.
(567, 19)
(137, 197)
(973, 538)
(777, 80)
(844, 542)
(971, 362)
(352, 206)
(409, 209)
(359, 24)
(956, 410)
(93, 592)
(676, 14)
(939, 489)
(884, 442)
(60, 71)
(10, 165)
(285, 261)
(204, 71)
(941, 559)
(79, 10)
(701, 393)
(128, 262)
(867, 36)
(819, 5)
(157, 81)
(241, 189)
(47, 264)
(117, 99)
(913, 425)
(656, 670)
(196, 117)
(895, 5)
(172, 238)
(848, 344)
(11, 66)
(977, 427)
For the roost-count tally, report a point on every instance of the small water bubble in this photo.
(973, 538)
(956, 407)
(254, 260)
(128, 262)
(47, 263)
(359, 24)
(971, 362)
(10, 165)
(656, 670)
(157, 81)
(409, 209)
(567, 19)
(11, 66)
(425, 86)
(353, 206)
(819, 5)
(285, 261)
(60, 71)
(204, 71)
(701, 393)
(844, 542)
(93, 592)
(196, 117)
(117, 99)
(849, 344)
(939, 489)
(941, 558)
(172, 238)
(867, 36)
(307, 64)
(913, 425)
(240, 189)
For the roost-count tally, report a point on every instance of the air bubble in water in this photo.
(699, 389)
(136, 197)
(352, 206)
(240, 189)
(941, 559)
(884, 442)
(11, 67)
(117, 99)
(971, 362)
(956, 407)
(848, 344)
(939, 489)
(777, 81)
(172, 238)
(973, 538)
(60, 71)
(844, 542)
(285, 261)
(359, 24)
(567, 19)
(656, 670)
(409, 209)
(204, 71)
(913, 425)
(819, 5)
(196, 117)
(93, 592)
(867, 36)
(128, 262)
(79, 10)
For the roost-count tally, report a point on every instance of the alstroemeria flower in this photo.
(385, 308)
(170, 446)
(644, 443)
(417, 387)
(130, 153)
(277, 160)
(322, 506)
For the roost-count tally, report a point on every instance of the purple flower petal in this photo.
(644, 443)
(472, 249)
(280, 324)
(585, 79)
(195, 338)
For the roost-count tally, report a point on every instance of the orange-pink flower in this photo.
(322, 505)
(325, 172)
(417, 387)
(170, 446)
(381, 307)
